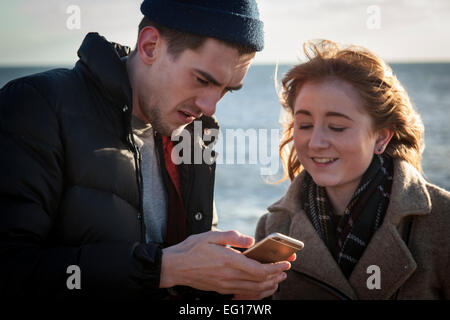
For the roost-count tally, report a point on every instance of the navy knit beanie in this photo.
(235, 21)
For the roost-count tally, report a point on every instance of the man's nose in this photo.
(319, 139)
(207, 103)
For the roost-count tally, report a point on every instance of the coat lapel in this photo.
(386, 249)
(315, 260)
(388, 253)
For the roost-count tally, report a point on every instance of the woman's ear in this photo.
(149, 45)
(383, 137)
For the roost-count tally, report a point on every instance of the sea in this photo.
(246, 175)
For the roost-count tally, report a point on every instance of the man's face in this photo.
(177, 91)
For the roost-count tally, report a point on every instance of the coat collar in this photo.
(104, 63)
(385, 250)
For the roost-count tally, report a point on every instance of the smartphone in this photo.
(273, 248)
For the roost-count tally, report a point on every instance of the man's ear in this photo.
(149, 44)
(384, 136)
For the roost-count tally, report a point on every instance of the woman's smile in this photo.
(321, 162)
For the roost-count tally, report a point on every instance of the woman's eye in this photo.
(338, 129)
(305, 126)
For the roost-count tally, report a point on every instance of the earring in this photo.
(380, 148)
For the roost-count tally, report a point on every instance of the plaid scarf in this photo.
(347, 236)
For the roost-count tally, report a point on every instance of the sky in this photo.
(49, 32)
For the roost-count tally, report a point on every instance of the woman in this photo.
(373, 227)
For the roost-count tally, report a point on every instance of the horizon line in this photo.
(261, 63)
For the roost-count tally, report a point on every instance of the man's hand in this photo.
(259, 296)
(204, 262)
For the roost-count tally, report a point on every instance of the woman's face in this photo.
(333, 134)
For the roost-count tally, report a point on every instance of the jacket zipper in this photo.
(137, 162)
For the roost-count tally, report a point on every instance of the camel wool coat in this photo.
(416, 268)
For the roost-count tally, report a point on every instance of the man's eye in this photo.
(204, 82)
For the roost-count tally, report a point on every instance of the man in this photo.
(91, 203)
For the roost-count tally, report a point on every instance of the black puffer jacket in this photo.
(70, 183)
